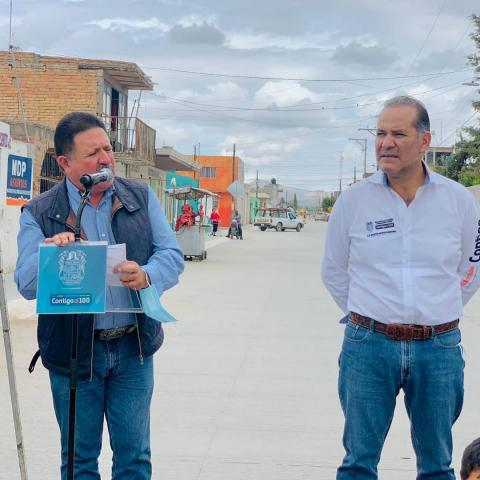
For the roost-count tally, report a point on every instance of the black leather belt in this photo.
(113, 333)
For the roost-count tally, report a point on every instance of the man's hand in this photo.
(64, 238)
(131, 275)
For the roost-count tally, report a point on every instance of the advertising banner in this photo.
(19, 180)
(71, 279)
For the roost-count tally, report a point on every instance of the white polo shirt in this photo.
(415, 264)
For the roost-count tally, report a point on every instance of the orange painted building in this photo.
(217, 173)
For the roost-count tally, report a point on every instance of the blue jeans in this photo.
(373, 369)
(120, 391)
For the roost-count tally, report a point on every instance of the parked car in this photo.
(280, 219)
(321, 216)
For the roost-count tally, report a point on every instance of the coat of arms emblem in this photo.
(72, 267)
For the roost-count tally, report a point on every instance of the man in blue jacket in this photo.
(115, 362)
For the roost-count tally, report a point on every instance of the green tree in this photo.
(464, 165)
(295, 201)
(328, 202)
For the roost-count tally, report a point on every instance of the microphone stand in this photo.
(74, 355)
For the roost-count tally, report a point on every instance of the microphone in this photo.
(91, 179)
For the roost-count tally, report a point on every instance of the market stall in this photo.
(191, 227)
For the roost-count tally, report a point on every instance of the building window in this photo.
(51, 174)
(207, 172)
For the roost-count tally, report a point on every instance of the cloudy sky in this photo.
(288, 81)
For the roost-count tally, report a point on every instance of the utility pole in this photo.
(341, 174)
(355, 174)
(233, 174)
(195, 160)
(233, 164)
(363, 143)
(10, 41)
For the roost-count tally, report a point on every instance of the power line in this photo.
(427, 37)
(291, 108)
(240, 119)
(468, 27)
(305, 104)
(461, 126)
(290, 79)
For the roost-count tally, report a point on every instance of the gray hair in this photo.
(422, 123)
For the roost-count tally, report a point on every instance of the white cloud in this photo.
(257, 150)
(283, 94)
(223, 92)
(253, 41)
(228, 91)
(191, 20)
(126, 24)
(168, 133)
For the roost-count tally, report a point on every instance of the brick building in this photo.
(49, 87)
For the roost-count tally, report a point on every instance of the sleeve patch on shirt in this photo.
(469, 276)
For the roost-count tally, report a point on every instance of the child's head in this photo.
(471, 462)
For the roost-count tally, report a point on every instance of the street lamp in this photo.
(363, 143)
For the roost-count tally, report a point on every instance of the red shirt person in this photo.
(215, 219)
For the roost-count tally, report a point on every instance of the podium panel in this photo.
(71, 278)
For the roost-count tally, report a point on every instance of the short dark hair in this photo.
(69, 126)
(470, 459)
(422, 123)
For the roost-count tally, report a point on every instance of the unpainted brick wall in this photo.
(50, 87)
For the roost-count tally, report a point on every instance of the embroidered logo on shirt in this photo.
(469, 277)
(380, 227)
(381, 224)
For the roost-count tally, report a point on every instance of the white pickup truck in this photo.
(278, 218)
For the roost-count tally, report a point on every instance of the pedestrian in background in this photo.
(200, 214)
(215, 219)
(235, 228)
(401, 260)
(115, 359)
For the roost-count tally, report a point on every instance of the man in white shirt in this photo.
(402, 258)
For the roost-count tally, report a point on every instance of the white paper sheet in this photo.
(115, 254)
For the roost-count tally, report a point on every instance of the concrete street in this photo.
(246, 383)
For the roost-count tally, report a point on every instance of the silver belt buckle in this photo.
(113, 333)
